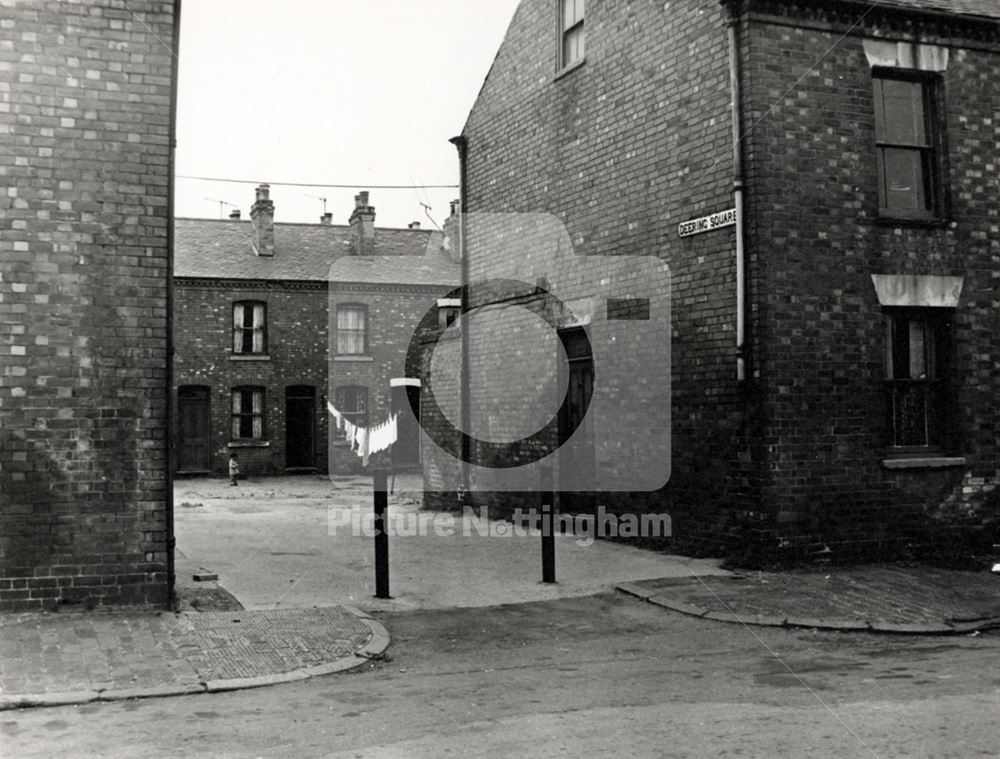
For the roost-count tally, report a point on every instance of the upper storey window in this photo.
(571, 32)
(249, 327)
(906, 134)
(352, 329)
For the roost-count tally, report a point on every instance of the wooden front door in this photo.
(300, 426)
(193, 444)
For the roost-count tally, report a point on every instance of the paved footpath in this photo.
(901, 599)
(73, 658)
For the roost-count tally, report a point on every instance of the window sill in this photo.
(354, 358)
(249, 357)
(923, 462)
(566, 70)
(250, 444)
(886, 219)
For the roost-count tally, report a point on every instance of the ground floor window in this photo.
(352, 402)
(248, 413)
(918, 365)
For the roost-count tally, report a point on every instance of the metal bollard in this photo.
(547, 502)
(381, 502)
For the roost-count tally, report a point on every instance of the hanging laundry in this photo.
(365, 441)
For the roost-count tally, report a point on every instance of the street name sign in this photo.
(707, 223)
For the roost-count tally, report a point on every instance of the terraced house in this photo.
(259, 322)
(821, 178)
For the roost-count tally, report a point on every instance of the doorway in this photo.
(193, 444)
(406, 403)
(576, 444)
(300, 428)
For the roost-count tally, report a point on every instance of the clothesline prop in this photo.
(365, 441)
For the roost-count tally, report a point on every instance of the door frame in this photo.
(203, 399)
(302, 393)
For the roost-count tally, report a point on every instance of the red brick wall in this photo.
(394, 314)
(637, 139)
(815, 241)
(85, 112)
(623, 149)
(296, 355)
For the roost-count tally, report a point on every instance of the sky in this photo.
(330, 92)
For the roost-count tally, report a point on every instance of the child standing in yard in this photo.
(234, 468)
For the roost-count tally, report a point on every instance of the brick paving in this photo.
(44, 653)
(248, 644)
(872, 595)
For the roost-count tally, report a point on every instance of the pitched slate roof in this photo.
(989, 9)
(435, 268)
(221, 249)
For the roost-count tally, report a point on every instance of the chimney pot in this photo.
(262, 218)
(362, 224)
(451, 231)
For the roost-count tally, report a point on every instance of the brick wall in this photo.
(637, 139)
(621, 150)
(815, 241)
(297, 341)
(394, 315)
(85, 114)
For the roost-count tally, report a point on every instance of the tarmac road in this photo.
(603, 675)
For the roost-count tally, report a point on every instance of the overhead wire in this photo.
(352, 186)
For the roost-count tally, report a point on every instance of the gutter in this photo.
(733, 28)
(461, 143)
(168, 507)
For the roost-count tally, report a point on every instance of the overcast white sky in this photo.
(329, 91)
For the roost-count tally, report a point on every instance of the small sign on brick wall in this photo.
(707, 223)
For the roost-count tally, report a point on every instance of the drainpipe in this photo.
(168, 506)
(461, 144)
(733, 25)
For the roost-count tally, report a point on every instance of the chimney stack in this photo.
(362, 223)
(262, 216)
(451, 230)
(235, 214)
(326, 219)
(413, 225)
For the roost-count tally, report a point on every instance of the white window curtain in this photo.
(351, 330)
(258, 414)
(258, 328)
(237, 328)
(237, 408)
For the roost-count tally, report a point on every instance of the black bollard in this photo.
(547, 502)
(381, 498)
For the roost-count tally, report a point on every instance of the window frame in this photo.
(934, 387)
(238, 417)
(577, 27)
(932, 151)
(244, 332)
(351, 332)
(357, 417)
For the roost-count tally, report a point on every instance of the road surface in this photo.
(604, 675)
